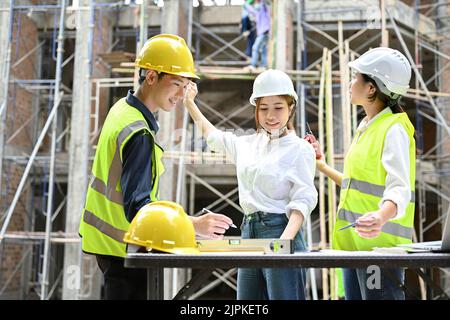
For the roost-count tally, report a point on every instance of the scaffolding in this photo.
(55, 163)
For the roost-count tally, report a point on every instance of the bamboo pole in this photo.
(330, 161)
(343, 70)
(323, 230)
(417, 57)
(353, 106)
(431, 93)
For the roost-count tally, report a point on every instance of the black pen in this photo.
(309, 129)
(348, 226)
(204, 210)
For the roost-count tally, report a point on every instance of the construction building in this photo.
(63, 64)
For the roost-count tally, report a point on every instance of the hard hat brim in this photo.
(181, 74)
(270, 94)
(397, 90)
(187, 75)
(353, 65)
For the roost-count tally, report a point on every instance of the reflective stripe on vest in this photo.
(109, 190)
(104, 222)
(115, 171)
(394, 229)
(363, 187)
(157, 155)
(368, 188)
(103, 226)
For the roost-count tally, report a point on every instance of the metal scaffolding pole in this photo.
(223, 118)
(143, 34)
(300, 87)
(219, 39)
(48, 223)
(384, 31)
(214, 190)
(28, 168)
(6, 23)
(443, 122)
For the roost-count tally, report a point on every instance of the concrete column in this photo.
(175, 20)
(79, 148)
(282, 32)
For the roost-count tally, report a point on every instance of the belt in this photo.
(258, 215)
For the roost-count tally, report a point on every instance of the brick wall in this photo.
(20, 108)
(102, 36)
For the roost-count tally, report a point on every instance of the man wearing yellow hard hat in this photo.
(127, 165)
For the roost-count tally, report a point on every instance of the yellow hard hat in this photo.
(167, 53)
(164, 226)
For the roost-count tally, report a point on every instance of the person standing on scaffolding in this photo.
(275, 171)
(261, 11)
(128, 165)
(248, 27)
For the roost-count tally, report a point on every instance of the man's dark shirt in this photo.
(136, 181)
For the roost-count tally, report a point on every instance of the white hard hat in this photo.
(272, 83)
(388, 67)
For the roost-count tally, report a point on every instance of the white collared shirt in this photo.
(395, 159)
(273, 175)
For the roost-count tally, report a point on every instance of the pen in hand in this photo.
(312, 139)
(348, 226)
(309, 129)
(204, 210)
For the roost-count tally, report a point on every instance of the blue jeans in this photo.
(369, 284)
(247, 25)
(260, 48)
(269, 283)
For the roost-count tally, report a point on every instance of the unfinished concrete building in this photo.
(63, 64)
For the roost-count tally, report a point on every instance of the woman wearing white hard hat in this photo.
(275, 172)
(378, 182)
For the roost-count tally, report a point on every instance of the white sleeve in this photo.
(395, 159)
(224, 142)
(303, 194)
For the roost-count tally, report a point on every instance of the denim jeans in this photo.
(270, 283)
(248, 25)
(361, 284)
(260, 48)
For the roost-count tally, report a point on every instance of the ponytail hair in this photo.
(387, 101)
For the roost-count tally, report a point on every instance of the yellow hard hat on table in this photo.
(167, 53)
(163, 226)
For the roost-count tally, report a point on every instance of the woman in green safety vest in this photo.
(377, 185)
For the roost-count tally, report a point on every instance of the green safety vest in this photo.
(103, 223)
(363, 185)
